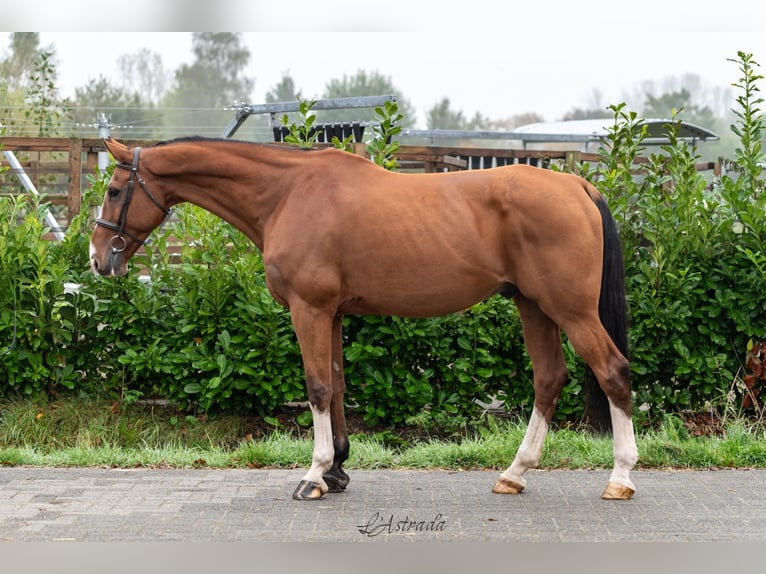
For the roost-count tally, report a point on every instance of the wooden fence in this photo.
(58, 167)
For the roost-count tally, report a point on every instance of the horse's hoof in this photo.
(337, 481)
(505, 486)
(309, 490)
(617, 491)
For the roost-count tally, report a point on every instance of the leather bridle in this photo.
(117, 243)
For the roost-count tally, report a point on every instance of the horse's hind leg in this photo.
(543, 340)
(336, 478)
(592, 343)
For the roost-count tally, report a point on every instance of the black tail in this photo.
(613, 311)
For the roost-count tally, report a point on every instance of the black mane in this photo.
(185, 139)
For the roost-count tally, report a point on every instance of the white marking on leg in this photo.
(321, 459)
(530, 449)
(625, 450)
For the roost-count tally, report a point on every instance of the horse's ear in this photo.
(119, 151)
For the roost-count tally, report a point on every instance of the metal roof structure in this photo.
(598, 129)
(244, 111)
(580, 132)
(583, 135)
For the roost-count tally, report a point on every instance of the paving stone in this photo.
(91, 504)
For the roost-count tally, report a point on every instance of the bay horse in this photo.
(340, 235)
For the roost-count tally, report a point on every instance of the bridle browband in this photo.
(117, 243)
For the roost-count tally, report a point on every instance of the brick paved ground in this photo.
(46, 504)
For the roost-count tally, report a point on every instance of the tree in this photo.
(119, 106)
(586, 114)
(16, 70)
(511, 122)
(688, 91)
(18, 66)
(665, 105)
(284, 91)
(28, 92)
(43, 108)
(364, 84)
(442, 117)
(662, 106)
(144, 73)
(214, 79)
(203, 89)
(594, 108)
(699, 103)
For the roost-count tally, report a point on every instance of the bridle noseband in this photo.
(117, 243)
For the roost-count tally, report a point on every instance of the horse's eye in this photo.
(113, 192)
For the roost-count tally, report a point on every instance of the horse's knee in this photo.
(319, 394)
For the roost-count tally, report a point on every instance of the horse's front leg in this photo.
(313, 328)
(336, 478)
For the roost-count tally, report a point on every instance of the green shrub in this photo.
(396, 368)
(694, 255)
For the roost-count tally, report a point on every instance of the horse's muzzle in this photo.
(109, 264)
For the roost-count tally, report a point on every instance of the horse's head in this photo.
(129, 213)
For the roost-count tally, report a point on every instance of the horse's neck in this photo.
(244, 192)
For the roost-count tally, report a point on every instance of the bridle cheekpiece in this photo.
(117, 243)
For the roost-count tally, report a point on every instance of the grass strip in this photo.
(71, 434)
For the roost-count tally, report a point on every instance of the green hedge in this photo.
(207, 335)
(695, 255)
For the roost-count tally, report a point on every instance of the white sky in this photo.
(499, 57)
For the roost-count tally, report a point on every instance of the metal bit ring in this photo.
(120, 241)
